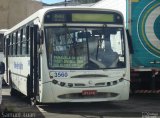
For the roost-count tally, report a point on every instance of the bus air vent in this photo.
(89, 76)
(79, 85)
(100, 84)
(99, 95)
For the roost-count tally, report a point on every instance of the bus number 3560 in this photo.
(61, 74)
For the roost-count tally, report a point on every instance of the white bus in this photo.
(69, 54)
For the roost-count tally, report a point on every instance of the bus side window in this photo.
(4, 45)
(18, 43)
(9, 45)
(1, 42)
(11, 37)
(21, 41)
(14, 43)
(27, 40)
(24, 42)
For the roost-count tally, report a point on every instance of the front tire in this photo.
(13, 92)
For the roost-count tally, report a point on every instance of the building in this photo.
(14, 11)
(85, 1)
(73, 2)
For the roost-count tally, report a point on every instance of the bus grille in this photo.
(80, 96)
(101, 84)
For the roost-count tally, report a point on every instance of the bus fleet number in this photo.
(61, 74)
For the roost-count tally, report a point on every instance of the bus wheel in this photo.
(10, 79)
(33, 102)
(4, 83)
(13, 92)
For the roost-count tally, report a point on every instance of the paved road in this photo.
(137, 106)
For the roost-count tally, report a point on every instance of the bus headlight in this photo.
(62, 83)
(54, 81)
(70, 84)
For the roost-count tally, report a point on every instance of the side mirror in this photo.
(2, 68)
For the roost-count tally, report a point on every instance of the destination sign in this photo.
(83, 17)
(79, 17)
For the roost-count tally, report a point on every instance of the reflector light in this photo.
(108, 84)
(51, 77)
(70, 84)
(62, 83)
(121, 79)
(54, 81)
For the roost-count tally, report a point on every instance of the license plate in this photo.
(89, 92)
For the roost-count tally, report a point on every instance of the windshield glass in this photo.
(85, 47)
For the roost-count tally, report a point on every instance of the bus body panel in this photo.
(20, 68)
(62, 94)
(58, 93)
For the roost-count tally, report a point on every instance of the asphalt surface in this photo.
(139, 105)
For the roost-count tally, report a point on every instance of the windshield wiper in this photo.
(74, 43)
(100, 40)
(74, 46)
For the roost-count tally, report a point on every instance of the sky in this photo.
(51, 1)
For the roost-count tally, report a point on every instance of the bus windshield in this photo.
(85, 47)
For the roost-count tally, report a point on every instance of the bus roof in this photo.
(40, 13)
(2, 31)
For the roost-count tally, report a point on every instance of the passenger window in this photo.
(21, 41)
(24, 42)
(9, 45)
(11, 37)
(28, 40)
(14, 43)
(18, 43)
